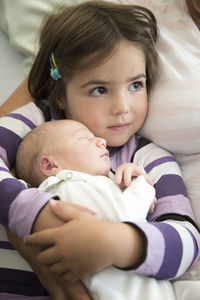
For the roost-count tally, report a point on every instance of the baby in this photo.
(66, 159)
(66, 151)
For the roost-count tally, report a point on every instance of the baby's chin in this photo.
(103, 172)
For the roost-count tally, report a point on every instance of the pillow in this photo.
(173, 120)
(11, 68)
(21, 20)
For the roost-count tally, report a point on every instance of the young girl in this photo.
(96, 64)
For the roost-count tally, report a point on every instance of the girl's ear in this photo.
(49, 166)
(62, 103)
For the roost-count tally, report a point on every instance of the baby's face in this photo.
(78, 149)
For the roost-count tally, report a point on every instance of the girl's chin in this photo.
(117, 143)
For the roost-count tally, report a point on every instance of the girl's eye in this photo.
(135, 86)
(98, 91)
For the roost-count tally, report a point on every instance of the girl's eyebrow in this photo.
(142, 75)
(103, 82)
(94, 82)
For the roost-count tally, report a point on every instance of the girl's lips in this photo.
(119, 126)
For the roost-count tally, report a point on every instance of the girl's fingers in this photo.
(69, 276)
(56, 268)
(76, 290)
(66, 210)
(48, 256)
(42, 238)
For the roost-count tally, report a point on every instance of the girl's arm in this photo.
(172, 235)
(55, 285)
(164, 247)
(19, 205)
(86, 244)
(18, 98)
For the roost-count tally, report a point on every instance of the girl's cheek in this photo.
(96, 127)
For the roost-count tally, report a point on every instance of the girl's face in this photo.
(111, 99)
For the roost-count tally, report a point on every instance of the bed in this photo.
(174, 114)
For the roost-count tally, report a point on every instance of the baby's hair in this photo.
(29, 150)
(36, 143)
(27, 154)
(92, 30)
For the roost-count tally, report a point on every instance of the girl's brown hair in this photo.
(92, 29)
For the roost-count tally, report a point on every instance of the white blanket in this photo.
(102, 195)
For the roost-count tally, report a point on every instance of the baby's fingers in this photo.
(118, 176)
(127, 177)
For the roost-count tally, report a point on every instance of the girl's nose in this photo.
(100, 142)
(120, 105)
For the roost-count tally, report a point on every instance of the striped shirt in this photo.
(172, 239)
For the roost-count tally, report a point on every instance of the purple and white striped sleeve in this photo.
(19, 205)
(172, 244)
(171, 249)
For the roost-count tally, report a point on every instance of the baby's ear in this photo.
(49, 166)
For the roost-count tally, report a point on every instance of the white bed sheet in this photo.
(11, 68)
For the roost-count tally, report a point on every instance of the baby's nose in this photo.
(101, 142)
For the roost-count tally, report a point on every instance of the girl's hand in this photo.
(86, 244)
(47, 219)
(54, 284)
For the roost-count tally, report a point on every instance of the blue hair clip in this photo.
(55, 74)
(54, 69)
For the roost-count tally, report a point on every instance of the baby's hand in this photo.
(124, 175)
(126, 172)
